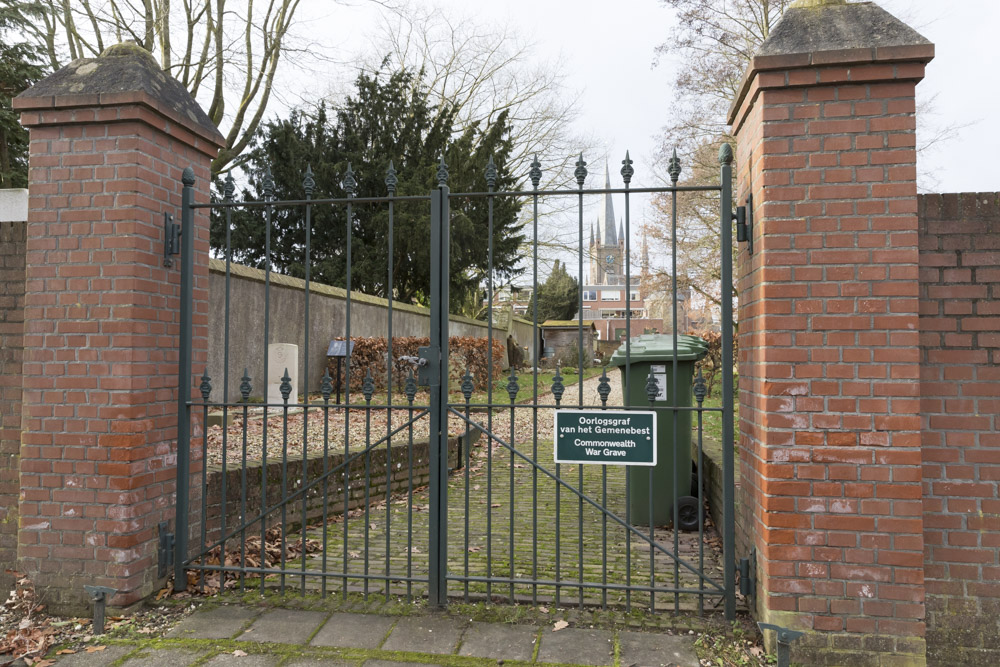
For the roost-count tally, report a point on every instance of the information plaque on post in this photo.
(605, 437)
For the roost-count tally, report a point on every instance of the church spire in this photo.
(609, 211)
(621, 234)
(645, 251)
(591, 235)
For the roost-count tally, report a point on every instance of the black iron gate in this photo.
(445, 490)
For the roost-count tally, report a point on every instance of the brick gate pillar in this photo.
(110, 137)
(828, 331)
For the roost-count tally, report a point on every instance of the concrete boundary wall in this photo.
(327, 308)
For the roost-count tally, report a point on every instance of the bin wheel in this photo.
(687, 513)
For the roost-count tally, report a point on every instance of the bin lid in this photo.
(660, 347)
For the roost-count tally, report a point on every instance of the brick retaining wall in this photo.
(399, 482)
(12, 237)
(960, 434)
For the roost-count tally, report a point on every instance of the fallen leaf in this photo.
(95, 649)
(65, 651)
(240, 654)
(544, 610)
(559, 625)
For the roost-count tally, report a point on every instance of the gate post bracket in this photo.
(100, 595)
(785, 639)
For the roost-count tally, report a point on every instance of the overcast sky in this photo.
(608, 52)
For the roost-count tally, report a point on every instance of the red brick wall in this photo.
(960, 405)
(11, 335)
(830, 357)
(101, 324)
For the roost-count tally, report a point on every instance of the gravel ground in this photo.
(321, 426)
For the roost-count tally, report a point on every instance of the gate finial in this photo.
(627, 170)
(230, 188)
(491, 174)
(349, 183)
(535, 174)
(581, 173)
(725, 154)
(308, 183)
(674, 168)
(442, 173)
(268, 184)
(390, 179)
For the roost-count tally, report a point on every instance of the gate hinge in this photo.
(744, 224)
(171, 239)
(165, 550)
(747, 569)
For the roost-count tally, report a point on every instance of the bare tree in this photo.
(225, 53)
(715, 40)
(485, 70)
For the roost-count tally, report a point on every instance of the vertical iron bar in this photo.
(728, 482)
(268, 195)
(347, 375)
(368, 481)
(326, 486)
(184, 381)
(510, 536)
(204, 492)
(305, 376)
(701, 514)
(284, 486)
(534, 399)
(674, 402)
(489, 394)
(409, 502)
(466, 449)
(391, 367)
(243, 497)
(225, 390)
(437, 553)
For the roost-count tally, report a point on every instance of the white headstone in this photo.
(281, 357)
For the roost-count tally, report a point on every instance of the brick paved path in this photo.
(548, 545)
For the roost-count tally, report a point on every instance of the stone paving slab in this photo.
(354, 631)
(318, 662)
(284, 626)
(425, 634)
(252, 660)
(164, 657)
(96, 659)
(577, 646)
(218, 623)
(501, 641)
(646, 649)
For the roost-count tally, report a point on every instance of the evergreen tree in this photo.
(388, 118)
(558, 296)
(18, 70)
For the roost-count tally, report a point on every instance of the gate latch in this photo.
(429, 366)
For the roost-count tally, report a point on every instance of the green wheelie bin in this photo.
(652, 489)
